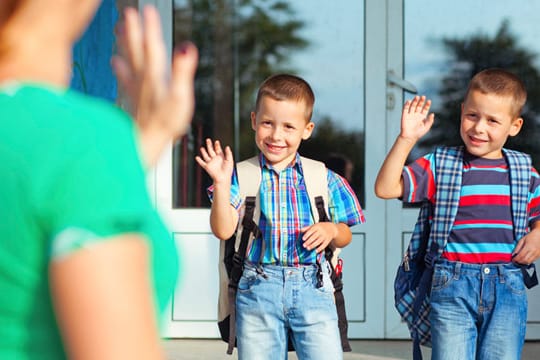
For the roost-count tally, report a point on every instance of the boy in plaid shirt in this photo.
(279, 293)
(478, 299)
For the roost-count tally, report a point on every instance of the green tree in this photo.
(240, 43)
(467, 56)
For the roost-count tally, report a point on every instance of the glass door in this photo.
(240, 44)
(437, 47)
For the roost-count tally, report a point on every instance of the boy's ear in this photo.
(253, 120)
(515, 127)
(308, 130)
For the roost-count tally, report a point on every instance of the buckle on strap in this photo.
(530, 280)
(432, 255)
(249, 225)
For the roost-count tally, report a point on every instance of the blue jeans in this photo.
(286, 300)
(477, 311)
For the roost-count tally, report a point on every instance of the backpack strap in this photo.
(249, 180)
(316, 181)
(520, 166)
(433, 237)
(448, 175)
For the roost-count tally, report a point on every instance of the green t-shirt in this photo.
(69, 174)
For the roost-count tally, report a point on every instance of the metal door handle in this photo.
(395, 80)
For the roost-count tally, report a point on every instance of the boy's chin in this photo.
(482, 153)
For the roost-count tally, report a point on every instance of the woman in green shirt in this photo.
(86, 264)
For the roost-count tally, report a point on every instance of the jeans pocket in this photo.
(327, 284)
(441, 278)
(248, 279)
(513, 280)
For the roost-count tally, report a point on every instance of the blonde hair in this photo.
(287, 87)
(502, 83)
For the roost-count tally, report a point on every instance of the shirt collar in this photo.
(296, 163)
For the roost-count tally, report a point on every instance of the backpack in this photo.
(232, 252)
(412, 283)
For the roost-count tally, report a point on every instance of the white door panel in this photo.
(387, 44)
(334, 67)
(416, 53)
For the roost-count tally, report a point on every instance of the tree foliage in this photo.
(240, 43)
(468, 56)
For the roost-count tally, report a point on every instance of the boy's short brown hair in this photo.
(502, 83)
(287, 87)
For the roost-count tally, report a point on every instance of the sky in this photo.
(334, 63)
(426, 22)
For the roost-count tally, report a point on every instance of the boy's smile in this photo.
(486, 123)
(280, 126)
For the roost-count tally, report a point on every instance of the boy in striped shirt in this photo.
(478, 299)
(279, 292)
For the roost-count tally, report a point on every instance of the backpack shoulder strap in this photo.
(249, 182)
(249, 177)
(520, 166)
(448, 175)
(316, 181)
(520, 170)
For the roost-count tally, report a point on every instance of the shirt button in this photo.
(283, 205)
(487, 270)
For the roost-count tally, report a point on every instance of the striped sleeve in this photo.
(418, 180)
(534, 198)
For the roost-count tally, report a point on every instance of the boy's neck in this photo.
(279, 167)
(470, 154)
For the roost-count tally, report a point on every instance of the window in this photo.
(243, 42)
(450, 45)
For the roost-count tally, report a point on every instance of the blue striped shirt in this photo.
(483, 228)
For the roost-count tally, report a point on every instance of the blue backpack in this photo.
(412, 283)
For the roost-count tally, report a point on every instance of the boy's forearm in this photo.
(389, 183)
(344, 235)
(223, 216)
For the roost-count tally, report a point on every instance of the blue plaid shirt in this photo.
(285, 209)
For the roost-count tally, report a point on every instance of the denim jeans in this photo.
(285, 300)
(477, 311)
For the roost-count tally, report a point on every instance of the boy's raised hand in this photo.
(415, 121)
(217, 163)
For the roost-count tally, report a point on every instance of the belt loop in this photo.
(457, 270)
(501, 270)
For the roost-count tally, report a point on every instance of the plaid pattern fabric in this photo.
(285, 208)
(520, 177)
(434, 224)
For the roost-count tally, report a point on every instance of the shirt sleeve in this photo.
(235, 192)
(419, 180)
(534, 198)
(343, 205)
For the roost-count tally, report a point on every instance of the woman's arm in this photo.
(103, 301)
